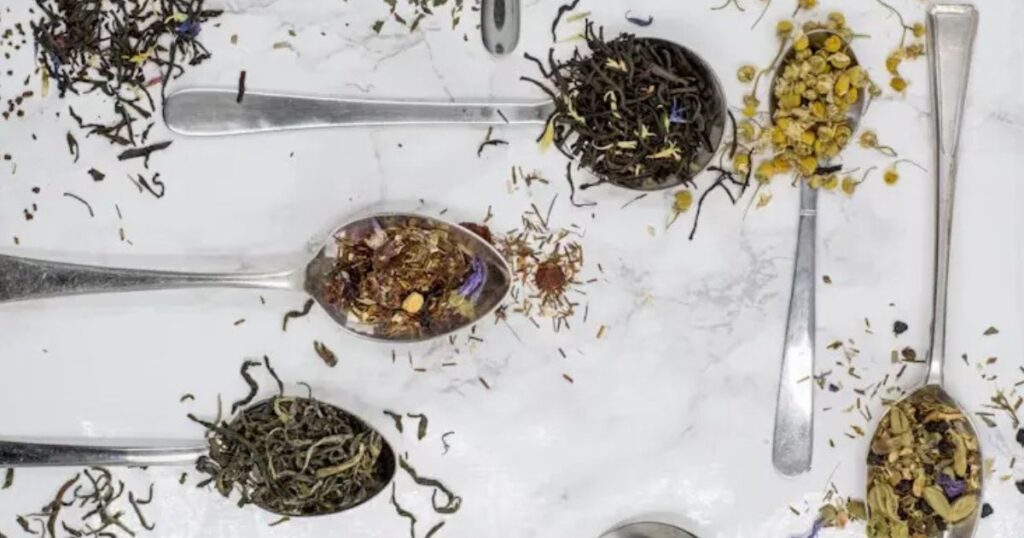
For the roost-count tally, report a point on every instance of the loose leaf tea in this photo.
(639, 113)
(122, 49)
(406, 278)
(924, 469)
(296, 456)
(91, 503)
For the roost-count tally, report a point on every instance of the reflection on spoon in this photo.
(23, 278)
(952, 29)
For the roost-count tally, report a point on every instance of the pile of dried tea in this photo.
(295, 456)
(819, 87)
(924, 470)
(121, 49)
(406, 277)
(639, 113)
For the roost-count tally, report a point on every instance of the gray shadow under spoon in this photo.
(793, 438)
(24, 279)
(951, 33)
(15, 454)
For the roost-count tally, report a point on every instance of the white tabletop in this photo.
(670, 411)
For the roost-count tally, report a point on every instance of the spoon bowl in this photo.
(648, 529)
(25, 278)
(817, 38)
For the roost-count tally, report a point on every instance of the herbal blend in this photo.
(639, 113)
(297, 457)
(924, 470)
(406, 278)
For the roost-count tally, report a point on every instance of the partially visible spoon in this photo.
(951, 33)
(499, 25)
(793, 443)
(14, 454)
(24, 279)
(648, 529)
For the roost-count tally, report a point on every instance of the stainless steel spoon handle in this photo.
(209, 112)
(793, 443)
(952, 29)
(26, 278)
(15, 454)
(499, 25)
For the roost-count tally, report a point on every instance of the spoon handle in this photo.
(15, 454)
(26, 278)
(951, 33)
(793, 444)
(499, 25)
(209, 112)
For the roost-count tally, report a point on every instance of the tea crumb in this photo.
(899, 328)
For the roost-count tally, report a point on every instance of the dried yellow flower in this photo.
(746, 73)
(833, 43)
(898, 83)
(682, 202)
(784, 28)
(849, 185)
(868, 139)
(891, 176)
(802, 43)
(741, 163)
(918, 29)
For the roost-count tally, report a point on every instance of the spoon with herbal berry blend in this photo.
(390, 277)
(925, 469)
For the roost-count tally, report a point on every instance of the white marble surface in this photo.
(671, 411)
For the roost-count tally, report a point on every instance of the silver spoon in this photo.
(793, 442)
(647, 529)
(216, 112)
(14, 454)
(23, 278)
(499, 25)
(951, 33)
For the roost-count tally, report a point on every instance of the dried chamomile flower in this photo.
(899, 84)
(814, 96)
(682, 201)
(746, 73)
(869, 140)
(784, 28)
(891, 176)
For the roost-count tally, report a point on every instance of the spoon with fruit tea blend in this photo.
(925, 466)
(390, 277)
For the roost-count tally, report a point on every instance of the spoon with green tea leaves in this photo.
(925, 468)
(389, 277)
(817, 100)
(288, 455)
(640, 113)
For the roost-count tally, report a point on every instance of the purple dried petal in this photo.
(189, 29)
(952, 487)
(676, 114)
(475, 281)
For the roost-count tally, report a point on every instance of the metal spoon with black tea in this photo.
(24, 278)
(288, 455)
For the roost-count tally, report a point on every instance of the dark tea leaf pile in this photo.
(405, 277)
(122, 49)
(636, 112)
(295, 457)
